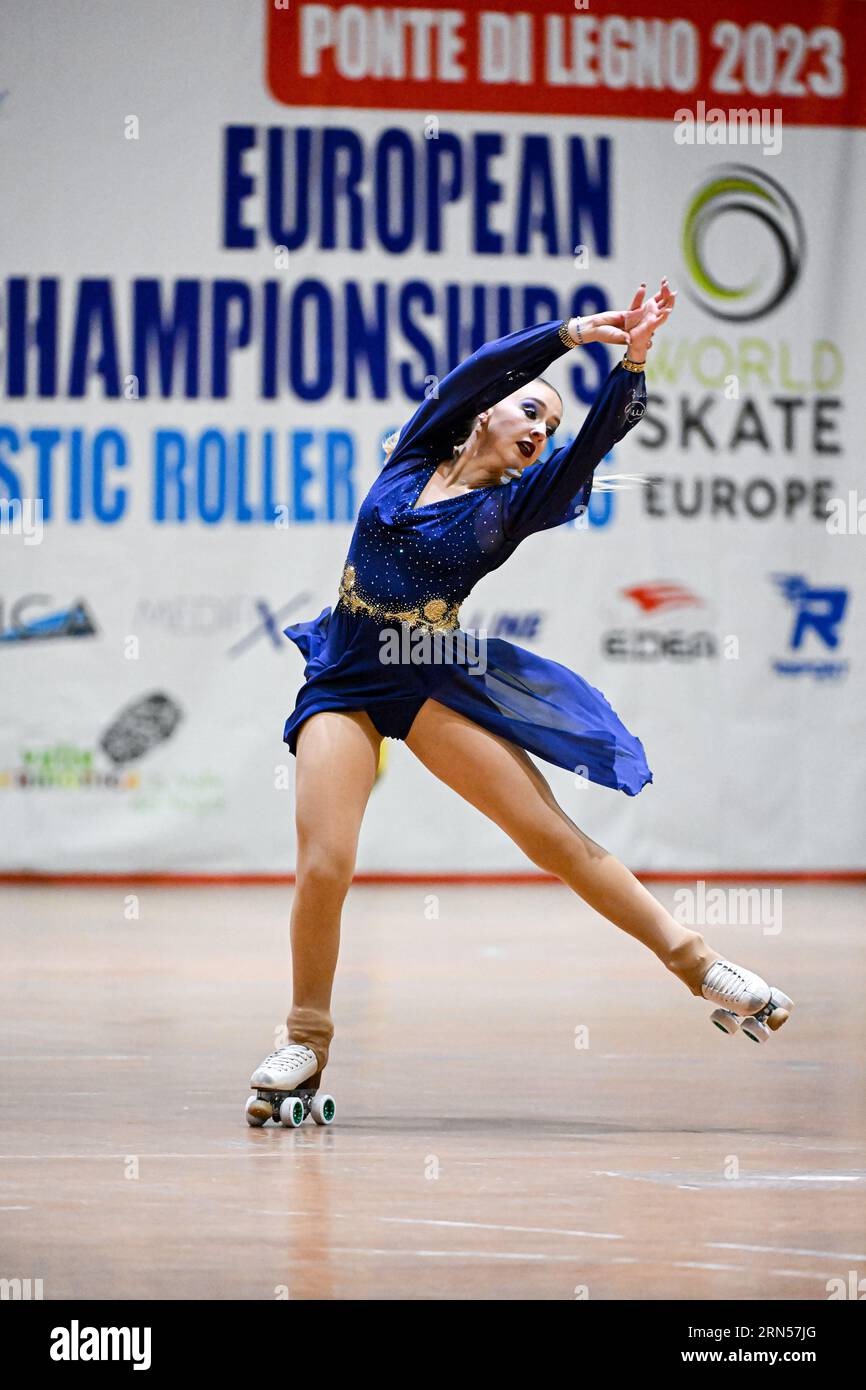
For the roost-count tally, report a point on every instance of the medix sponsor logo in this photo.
(77, 1343)
(651, 642)
(192, 614)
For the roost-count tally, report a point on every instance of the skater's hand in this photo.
(651, 316)
(608, 327)
(612, 325)
(632, 327)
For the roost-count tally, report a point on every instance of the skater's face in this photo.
(519, 427)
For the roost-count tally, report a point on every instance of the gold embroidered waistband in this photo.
(437, 614)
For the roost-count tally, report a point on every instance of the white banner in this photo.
(214, 305)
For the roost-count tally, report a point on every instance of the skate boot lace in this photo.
(288, 1058)
(727, 980)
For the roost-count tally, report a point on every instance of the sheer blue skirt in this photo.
(536, 703)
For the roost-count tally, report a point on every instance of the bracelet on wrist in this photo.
(565, 334)
(631, 366)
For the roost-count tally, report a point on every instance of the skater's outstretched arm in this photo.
(493, 372)
(550, 493)
(553, 492)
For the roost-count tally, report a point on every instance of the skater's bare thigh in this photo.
(501, 780)
(337, 755)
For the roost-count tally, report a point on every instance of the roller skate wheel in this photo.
(292, 1112)
(258, 1111)
(323, 1109)
(724, 1019)
(780, 1009)
(755, 1029)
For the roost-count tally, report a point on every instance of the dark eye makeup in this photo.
(531, 409)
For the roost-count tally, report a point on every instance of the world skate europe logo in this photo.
(750, 276)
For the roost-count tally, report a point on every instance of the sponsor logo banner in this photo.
(817, 612)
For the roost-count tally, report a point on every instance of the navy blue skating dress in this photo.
(408, 570)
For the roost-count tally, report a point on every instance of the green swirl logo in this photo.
(760, 258)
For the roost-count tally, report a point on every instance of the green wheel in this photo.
(323, 1109)
(292, 1112)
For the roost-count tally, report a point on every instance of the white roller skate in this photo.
(280, 1095)
(749, 1005)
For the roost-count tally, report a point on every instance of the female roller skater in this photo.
(460, 489)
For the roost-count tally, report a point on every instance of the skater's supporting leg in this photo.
(501, 780)
(337, 757)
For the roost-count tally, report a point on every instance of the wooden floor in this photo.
(477, 1152)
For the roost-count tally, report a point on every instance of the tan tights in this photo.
(337, 757)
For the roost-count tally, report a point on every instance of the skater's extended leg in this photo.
(501, 780)
(337, 755)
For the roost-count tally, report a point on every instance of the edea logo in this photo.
(647, 639)
(816, 615)
(653, 598)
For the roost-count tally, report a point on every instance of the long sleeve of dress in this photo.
(550, 493)
(493, 372)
